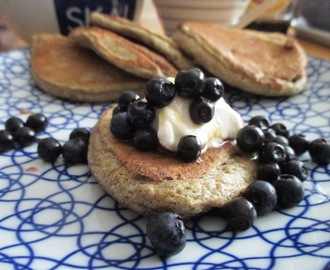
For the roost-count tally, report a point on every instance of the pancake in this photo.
(124, 54)
(152, 182)
(63, 70)
(269, 64)
(135, 32)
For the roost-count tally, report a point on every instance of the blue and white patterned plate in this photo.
(57, 217)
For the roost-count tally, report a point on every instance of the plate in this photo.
(57, 217)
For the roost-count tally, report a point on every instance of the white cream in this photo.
(173, 122)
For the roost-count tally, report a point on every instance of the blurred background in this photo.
(312, 27)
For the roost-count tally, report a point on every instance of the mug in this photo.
(26, 17)
(316, 13)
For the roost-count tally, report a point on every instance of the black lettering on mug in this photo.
(76, 13)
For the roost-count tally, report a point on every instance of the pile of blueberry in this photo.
(74, 151)
(132, 117)
(278, 185)
(18, 134)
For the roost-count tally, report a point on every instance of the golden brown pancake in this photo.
(269, 64)
(124, 54)
(64, 70)
(136, 32)
(151, 182)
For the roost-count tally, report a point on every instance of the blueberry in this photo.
(272, 152)
(259, 121)
(140, 114)
(145, 140)
(290, 191)
(38, 122)
(296, 168)
(201, 110)
(270, 135)
(250, 139)
(25, 136)
(80, 133)
(13, 124)
(49, 149)
(7, 141)
(269, 172)
(74, 151)
(240, 214)
(299, 143)
(120, 127)
(319, 151)
(290, 153)
(126, 98)
(167, 233)
(189, 83)
(189, 148)
(282, 140)
(280, 129)
(159, 92)
(213, 89)
(262, 195)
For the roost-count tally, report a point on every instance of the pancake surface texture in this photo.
(121, 52)
(269, 64)
(63, 70)
(152, 182)
(131, 30)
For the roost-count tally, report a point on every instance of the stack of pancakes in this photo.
(97, 63)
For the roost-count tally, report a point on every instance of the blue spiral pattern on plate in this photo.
(57, 217)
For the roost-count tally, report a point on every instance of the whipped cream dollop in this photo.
(173, 122)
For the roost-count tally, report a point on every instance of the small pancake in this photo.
(124, 54)
(133, 31)
(269, 64)
(152, 182)
(62, 69)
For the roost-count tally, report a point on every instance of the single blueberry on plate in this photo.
(250, 138)
(269, 171)
(13, 124)
(49, 149)
(240, 214)
(38, 122)
(25, 136)
(259, 121)
(296, 168)
(7, 141)
(290, 191)
(167, 234)
(80, 133)
(299, 143)
(262, 195)
(272, 152)
(74, 151)
(319, 151)
(280, 129)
